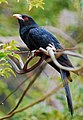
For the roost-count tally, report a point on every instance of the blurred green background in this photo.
(66, 16)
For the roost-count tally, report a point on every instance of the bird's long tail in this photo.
(67, 90)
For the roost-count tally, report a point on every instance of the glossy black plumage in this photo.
(36, 37)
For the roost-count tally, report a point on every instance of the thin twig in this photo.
(22, 52)
(13, 91)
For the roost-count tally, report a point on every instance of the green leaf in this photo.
(6, 72)
(30, 7)
(17, 56)
(2, 55)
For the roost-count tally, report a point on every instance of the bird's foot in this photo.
(33, 53)
(52, 47)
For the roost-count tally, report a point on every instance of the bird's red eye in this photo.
(26, 18)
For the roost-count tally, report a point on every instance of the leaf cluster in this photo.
(35, 3)
(31, 3)
(5, 67)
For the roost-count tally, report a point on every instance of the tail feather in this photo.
(67, 90)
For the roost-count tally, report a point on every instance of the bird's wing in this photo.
(42, 38)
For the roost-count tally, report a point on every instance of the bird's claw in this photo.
(52, 47)
(33, 53)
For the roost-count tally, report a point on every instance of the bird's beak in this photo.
(19, 16)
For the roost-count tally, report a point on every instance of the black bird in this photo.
(35, 37)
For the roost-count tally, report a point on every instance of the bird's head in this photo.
(24, 20)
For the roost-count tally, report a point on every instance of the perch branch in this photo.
(53, 53)
(24, 69)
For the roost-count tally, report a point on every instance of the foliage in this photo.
(35, 3)
(31, 3)
(5, 67)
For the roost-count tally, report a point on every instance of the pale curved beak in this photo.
(19, 16)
